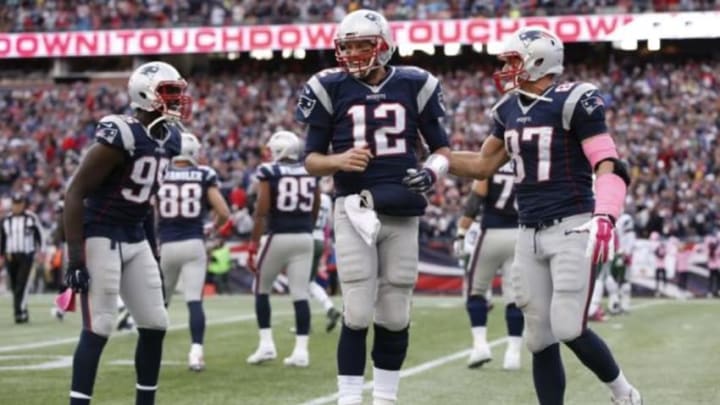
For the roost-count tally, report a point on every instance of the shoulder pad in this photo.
(265, 171)
(495, 110)
(116, 130)
(576, 92)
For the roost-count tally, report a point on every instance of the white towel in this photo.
(364, 220)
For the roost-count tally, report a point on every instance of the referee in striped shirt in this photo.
(20, 238)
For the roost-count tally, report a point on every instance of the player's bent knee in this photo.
(156, 320)
(538, 335)
(567, 331)
(102, 324)
(393, 309)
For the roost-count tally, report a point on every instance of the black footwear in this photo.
(333, 316)
(22, 318)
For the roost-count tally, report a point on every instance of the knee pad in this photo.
(393, 308)
(389, 348)
(538, 334)
(154, 318)
(102, 323)
(357, 308)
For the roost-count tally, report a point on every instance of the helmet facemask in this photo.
(512, 74)
(359, 55)
(171, 100)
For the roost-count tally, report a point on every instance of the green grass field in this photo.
(670, 350)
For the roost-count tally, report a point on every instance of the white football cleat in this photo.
(298, 358)
(196, 360)
(480, 355)
(262, 354)
(512, 360)
(633, 398)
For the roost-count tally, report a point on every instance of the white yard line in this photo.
(428, 365)
(181, 326)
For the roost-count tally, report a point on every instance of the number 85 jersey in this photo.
(182, 202)
(543, 137)
(344, 112)
(292, 196)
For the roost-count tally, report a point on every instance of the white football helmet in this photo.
(189, 148)
(363, 25)
(284, 145)
(157, 86)
(529, 54)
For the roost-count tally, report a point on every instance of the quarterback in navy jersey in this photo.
(364, 121)
(107, 208)
(183, 200)
(492, 251)
(556, 136)
(286, 210)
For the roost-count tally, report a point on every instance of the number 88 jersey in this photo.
(182, 202)
(292, 195)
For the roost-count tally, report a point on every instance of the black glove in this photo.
(77, 278)
(419, 181)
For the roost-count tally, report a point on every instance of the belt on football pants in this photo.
(540, 225)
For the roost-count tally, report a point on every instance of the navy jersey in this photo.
(182, 202)
(499, 208)
(292, 194)
(552, 175)
(118, 207)
(344, 112)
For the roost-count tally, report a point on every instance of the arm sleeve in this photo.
(318, 139)
(498, 130)
(264, 173)
(434, 134)
(211, 178)
(431, 108)
(314, 105)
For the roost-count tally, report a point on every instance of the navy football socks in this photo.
(351, 351)
(262, 310)
(302, 317)
(477, 309)
(514, 320)
(148, 355)
(595, 355)
(549, 376)
(197, 321)
(389, 348)
(85, 365)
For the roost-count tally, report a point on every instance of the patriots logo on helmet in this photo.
(107, 131)
(150, 70)
(371, 16)
(591, 102)
(306, 105)
(529, 36)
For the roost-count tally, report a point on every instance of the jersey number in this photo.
(180, 200)
(388, 139)
(295, 193)
(146, 172)
(544, 142)
(507, 187)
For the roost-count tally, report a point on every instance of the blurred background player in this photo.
(493, 251)
(323, 243)
(372, 114)
(286, 208)
(107, 205)
(21, 237)
(188, 190)
(557, 137)
(660, 252)
(619, 298)
(712, 247)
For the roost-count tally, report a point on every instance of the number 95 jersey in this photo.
(182, 202)
(387, 117)
(121, 203)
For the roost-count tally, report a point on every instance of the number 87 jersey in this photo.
(543, 137)
(183, 203)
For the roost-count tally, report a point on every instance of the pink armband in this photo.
(610, 190)
(599, 148)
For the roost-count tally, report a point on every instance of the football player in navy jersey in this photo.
(106, 205)
(286, 208)
(493, 251)
(364, 120)
(187, 191)
(556, 136)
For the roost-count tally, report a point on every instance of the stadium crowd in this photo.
(663, 116)
(64, 15)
